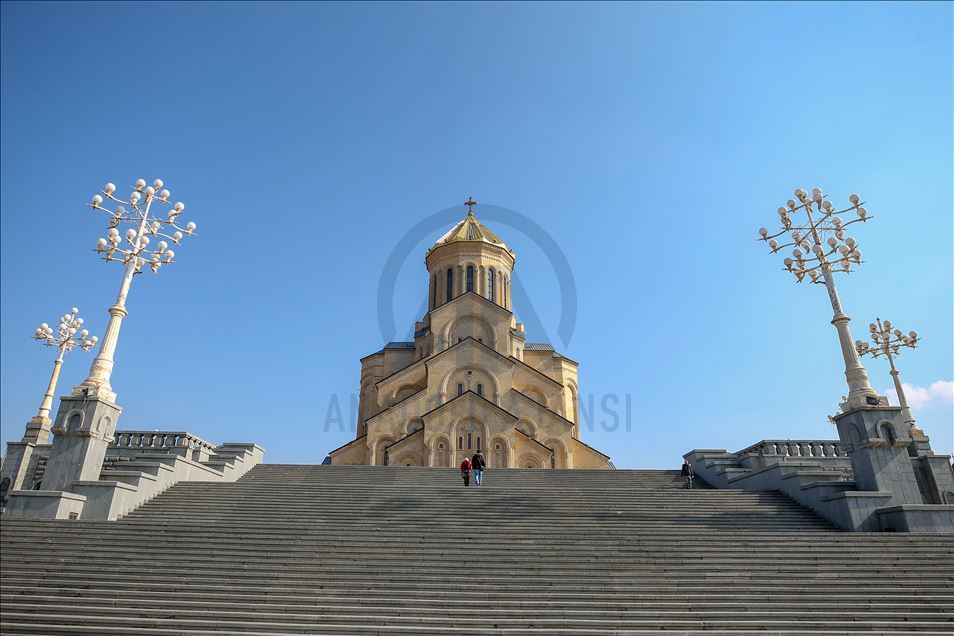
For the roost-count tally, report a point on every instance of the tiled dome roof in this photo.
(470, 229)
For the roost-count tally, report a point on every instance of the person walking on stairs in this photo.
(465, 470)
(478, 464)
(687, 473)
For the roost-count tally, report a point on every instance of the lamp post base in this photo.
(82, 432)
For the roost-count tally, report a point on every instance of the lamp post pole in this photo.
(833, 254)
(888, 343)
(134, 254)
(69, 335)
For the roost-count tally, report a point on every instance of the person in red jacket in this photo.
(465, 471)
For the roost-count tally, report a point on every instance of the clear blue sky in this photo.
(649, 140)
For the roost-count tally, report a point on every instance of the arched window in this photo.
(470, 278)
(478, 442)
(480, 389)
(460, 443)
(490, 283)
(460, 389)
(450, 283)
(470, 440)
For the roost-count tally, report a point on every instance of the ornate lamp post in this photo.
(132, 249)
(68, 335)
(887, 343)
(820, 248)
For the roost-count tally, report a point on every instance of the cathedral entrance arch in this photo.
(441, 452)
(530, 461)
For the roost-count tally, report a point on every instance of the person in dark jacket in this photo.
(687, 473)
(478, 464)
(465, 470)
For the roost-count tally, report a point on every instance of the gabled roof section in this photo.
(396, 404)
(470, 395)
(406, 437)
(530, 439)
(470, 229)
(354, 441)
(532, 401)
(468, 295)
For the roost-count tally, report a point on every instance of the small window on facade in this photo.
(450, 284)
(470, 278)
(460, 443)
(478, 442)
(470, 439)
(460, 389)
(490, 283)
(480, 389)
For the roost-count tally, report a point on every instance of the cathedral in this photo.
(469, 381)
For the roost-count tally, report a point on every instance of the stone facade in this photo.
(469, 381)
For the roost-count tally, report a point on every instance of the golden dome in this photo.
(470, 229)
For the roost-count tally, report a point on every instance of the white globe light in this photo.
(763, 232)
(773, 244)
(130, 234)
(818, 249)
(179, 206)
(135, 196)
(850, 242)
(74, 310)
(144, 240)
(177, 236)
(97, 199)
(44, 326)
(170, 255)
(164, 194)
(854, 198)
(149, 191)
(782, 211)
(190, 226)
(913, 335)
(791, 204)
(109, 188)
(859, 344)
(157, 183)
(800, 193)
(120, 210)
(94, 339)
(112, 232)
(788, 262)
(862, 213)
(832, 241)
(79, 321)
(162, 245)
(140, 184)
(101, 243)
(898, 332)
(797, 253)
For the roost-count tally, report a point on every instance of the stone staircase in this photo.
(361, 550)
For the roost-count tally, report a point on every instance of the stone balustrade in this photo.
(795, 448)
(177, 442)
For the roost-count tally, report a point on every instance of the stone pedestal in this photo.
(82, 432)
(18, 456)
(876, 439)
